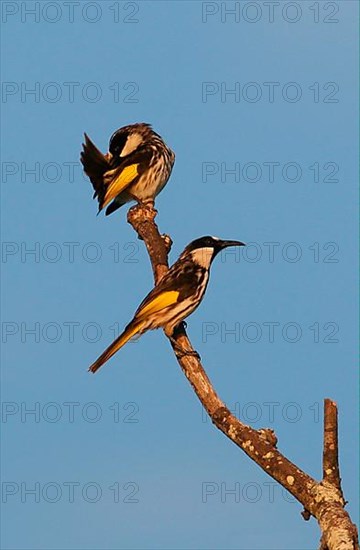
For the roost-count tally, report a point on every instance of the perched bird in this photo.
(137, 166)
(176, 296)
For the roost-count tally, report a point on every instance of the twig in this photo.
(331, 471)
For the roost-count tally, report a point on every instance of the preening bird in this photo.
(137, 166)
(176, 296)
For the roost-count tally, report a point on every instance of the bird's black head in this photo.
(127, 139)
(204, 249)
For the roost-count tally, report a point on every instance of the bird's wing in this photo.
(95, 166)
(157, 302)
(120, 180)
(178, 283)
(125, 174)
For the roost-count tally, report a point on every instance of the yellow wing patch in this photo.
(125, 177)
(160, 302)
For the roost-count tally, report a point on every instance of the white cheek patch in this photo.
(132, 142)
(203, 256)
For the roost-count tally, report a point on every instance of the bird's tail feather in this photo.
(92, 159)
(95, 165)
(113, 206)
(131, 330)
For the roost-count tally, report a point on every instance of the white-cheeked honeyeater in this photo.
(136, 168)
(176, 296)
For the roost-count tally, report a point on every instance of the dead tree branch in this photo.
(330, 453)
(322, 500)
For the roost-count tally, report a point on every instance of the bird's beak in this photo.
(225, 244)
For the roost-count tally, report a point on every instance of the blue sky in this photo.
(125, 459)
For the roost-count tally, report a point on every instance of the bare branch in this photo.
(330, 453)
(260, 445)
(142, 219)
(323, 500)
(338, 531)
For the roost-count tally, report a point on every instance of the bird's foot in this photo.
(181, 352)
(140, 213)
(149, 206)
(143, 210)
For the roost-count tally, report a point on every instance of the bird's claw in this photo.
(181, 352)
(188, 353)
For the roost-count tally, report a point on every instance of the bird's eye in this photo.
(117, 144)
